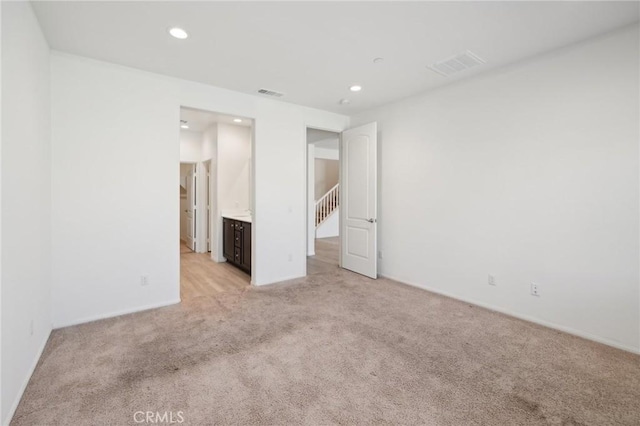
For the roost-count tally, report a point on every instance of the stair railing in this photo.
(327, 204)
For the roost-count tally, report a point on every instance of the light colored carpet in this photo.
(334, 348)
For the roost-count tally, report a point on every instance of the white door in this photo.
(358, 200)
(191, 209)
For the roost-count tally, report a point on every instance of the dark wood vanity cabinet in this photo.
(228, 229)
(237, 243)
(246, 246)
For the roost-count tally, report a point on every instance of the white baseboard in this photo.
(23, 387)
(280, 280)
(115, 314)
(528, 318)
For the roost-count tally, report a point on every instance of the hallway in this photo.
(326, 257)
(201, 276)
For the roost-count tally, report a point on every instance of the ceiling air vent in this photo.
(457, 63)
(270, 93)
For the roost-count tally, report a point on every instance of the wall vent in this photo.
(457, 63)
(270, 93)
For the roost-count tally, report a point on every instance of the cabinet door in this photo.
(246, 246)
(238, 237)
(228, 237)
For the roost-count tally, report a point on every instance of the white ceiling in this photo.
(317, 135)
(322, 138)
(332, 143)
(199, 121)
(313, 51)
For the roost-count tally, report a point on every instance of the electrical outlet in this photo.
(380, 254)
(144, 280)
(290, 257)
(535, 289)
(491, 280)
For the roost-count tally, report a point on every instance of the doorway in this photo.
(323, 195)
(215, 182)
(354, 199)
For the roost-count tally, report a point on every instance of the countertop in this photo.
(239, 216)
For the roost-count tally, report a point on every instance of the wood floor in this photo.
(201, 276)
(326, 257)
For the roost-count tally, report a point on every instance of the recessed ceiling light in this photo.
(378, 60)
(178, 33)
(237, 120)
(184, 126)
(355, 88)
(344, 101)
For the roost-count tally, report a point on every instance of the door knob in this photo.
(371, 220)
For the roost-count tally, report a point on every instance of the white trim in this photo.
(528, 318)
(16, 402)
(310, 228)
(280, 280)
(309, 203)
(116, 314)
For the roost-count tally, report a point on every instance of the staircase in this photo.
(326, 205)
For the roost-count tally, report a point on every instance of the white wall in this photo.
(190, 146)
(210, 153)
(331, 225)
(210, 143)
(311, 202)
(279, 183)
(129, 120)
(326, 153)
(111, 227)
(233, 186)
(201, 208)
(26, 201)
(326, 176)
(234, 152)
(529, 173)
(2, 416)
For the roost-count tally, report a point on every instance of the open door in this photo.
(191, 209)
(358, 181)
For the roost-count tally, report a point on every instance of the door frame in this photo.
(200, 219)
(193, 164)
(213, 181)
(307, 184)
(208, 205)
